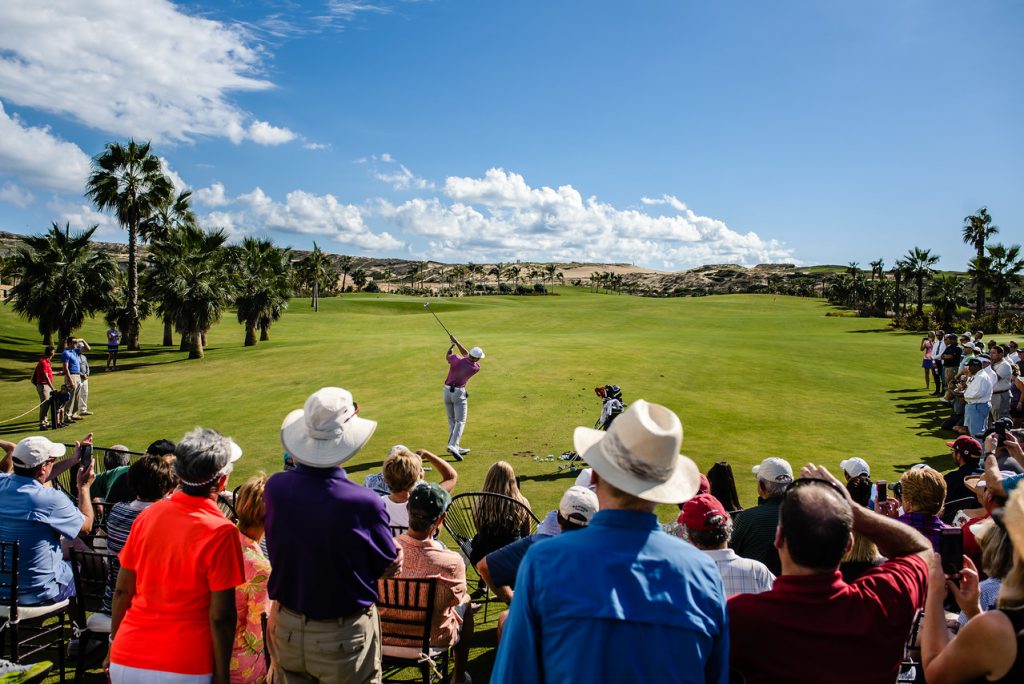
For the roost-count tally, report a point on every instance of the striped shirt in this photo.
(741, 575)
(118, 525)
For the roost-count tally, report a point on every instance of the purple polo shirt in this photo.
(460, 370)
(328, 540)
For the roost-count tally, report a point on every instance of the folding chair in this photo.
(460, 522)
(31, 628)
(406, 608)
(398, 530)
(92, 571)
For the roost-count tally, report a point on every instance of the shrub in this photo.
(522, 290)
(505, 288)
(372, 286)
(539, 288)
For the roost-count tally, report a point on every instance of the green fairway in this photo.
(750, 375)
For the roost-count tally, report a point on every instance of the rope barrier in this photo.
(34, 408)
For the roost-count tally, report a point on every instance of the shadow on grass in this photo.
(901, 333)
(941, 462)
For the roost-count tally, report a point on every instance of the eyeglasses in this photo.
(803, 481)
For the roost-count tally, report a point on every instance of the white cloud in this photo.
(177, 181)
(38, 158)
(316, 146)
(263, 133)
(153, 72)
(81, 216)
(403, 179)
(212, 196)
(16, 195)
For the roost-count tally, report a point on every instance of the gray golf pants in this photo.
(456, 405)
(1000, 405)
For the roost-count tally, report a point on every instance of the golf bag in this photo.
(611, 405)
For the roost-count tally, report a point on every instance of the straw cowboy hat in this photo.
(639, 454)
(326, 431)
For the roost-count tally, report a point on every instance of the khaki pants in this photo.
(74, 401)
(329, 651)
(44, 399)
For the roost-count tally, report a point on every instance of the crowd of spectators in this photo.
(822, 579)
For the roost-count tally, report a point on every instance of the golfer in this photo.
(460, 370)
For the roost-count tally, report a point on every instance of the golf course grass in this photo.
(751, 376)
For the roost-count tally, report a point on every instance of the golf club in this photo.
(427, 307)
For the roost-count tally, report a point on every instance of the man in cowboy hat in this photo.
(456, 398)
(651, 607)
(329, 543)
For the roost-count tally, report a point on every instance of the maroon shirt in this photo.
(818, 628)
(461, 369)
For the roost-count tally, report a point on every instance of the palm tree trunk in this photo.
(48, 338)
(979, 303)
(920, 296)
(168, 333)
(264, 332)
(185, 342)
(196, 348)
(133, 286)
(250, 335)
(995, 316)
(203, 337)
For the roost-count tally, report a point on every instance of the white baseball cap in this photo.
(774, 470)
(578, 505)
(34, 451)
(476, 353)
(855, 467)
(584, 479)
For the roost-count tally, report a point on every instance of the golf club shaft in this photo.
(427, 305)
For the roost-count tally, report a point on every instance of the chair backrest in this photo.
(460, 520)
(63, 482)
(102, 510)
(406, 608)
(91, 570)
(9, 576)
(399, 530)
(226, 506)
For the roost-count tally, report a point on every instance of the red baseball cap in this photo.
(698, 511)
(966, 446)
(705, 485)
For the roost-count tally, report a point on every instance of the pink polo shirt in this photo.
(460, 370)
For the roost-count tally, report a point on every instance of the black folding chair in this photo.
(92, 572)
(398, 530)
(460, 522)
(406, 608)
(31, 629)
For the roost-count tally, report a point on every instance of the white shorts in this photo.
(121, 674)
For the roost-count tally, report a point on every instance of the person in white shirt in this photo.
(1003, 372)
(708, 527)
(978, 396)
(403, 471)
(1012, 353)
(937, 350)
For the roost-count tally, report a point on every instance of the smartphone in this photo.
(86, 457)
(951, 549)
(883, 490)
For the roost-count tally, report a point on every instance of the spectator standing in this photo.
(649, 607)
(182, 559)
(81, 346)
(38, 516)
(937, 350)
(951, 355)
(862, 554)
(1003, 372)
(923, 495)
(248, 666)
(978, 396)
(120, 490)
(113, 341)
(329, 542)
(708, 527)
(754, 529)
(42, 378)
(723, 486)
(73, 377)
(857, 467)
(967, 457)
(425, 558)
(927, 343)
(812, 612)
(116, 460)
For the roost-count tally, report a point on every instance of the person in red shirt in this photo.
(174, 604)
(806, 627)
(42, 378)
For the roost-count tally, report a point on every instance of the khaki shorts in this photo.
(305, 651)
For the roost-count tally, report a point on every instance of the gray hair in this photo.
(717, 533)
(116, 457)
(201, 455)
(773, 489)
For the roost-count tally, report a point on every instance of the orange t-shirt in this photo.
(181, 549)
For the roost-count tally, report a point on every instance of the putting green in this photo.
(750, 375)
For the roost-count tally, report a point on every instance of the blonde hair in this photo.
(924, 491)
(1011, 591)
(500, 515)
(402, 469)
(249, 501)
(862, 550)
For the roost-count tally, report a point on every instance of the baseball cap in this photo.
(974, 362)
(429, 499)
(774, 470)
(966, 445)
(476, 353)
(855, 467)
(699, 511)
(578, 505)
(705, 485)
(33, 451)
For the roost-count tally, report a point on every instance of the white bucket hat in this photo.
(639, 454)
(326, 432)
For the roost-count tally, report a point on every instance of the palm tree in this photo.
(201, 287)
(853, 268)
(919, 266)
(976, 230)
(60, 279)
(173, 211)
(552, 271)
(513, 273)
(317, 274)
(414, 271)
(497, 271)
(1004, 268)
(128, 180)
(345, 266)
(262, 273)
(948, 295)
(877, 267)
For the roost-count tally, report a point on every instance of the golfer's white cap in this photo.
(476, 353)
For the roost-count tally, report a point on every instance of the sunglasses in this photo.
(804, 481)
(354, 413)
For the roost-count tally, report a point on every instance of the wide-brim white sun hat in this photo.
(476, 353)
(639, 454)
(326, 431)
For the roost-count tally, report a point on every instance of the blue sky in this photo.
(661, 132)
